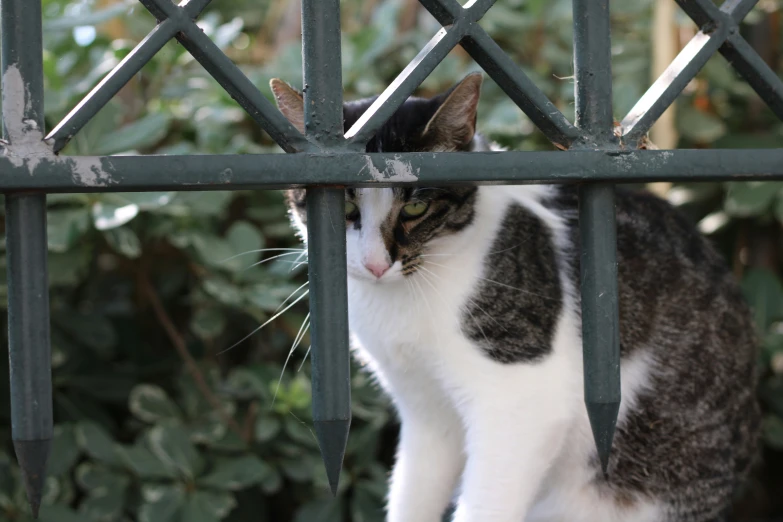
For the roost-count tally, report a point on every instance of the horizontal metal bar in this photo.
(277, 171)
(111, 85)
(518, 86)
(234, 81)
(444, 11)
(671, 83)
(756, 72)
(405, 83)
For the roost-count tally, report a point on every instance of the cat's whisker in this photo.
(299, 261)
(291, 295)
(248, 336)
(499, 283)
(487, 254)
(471, 301)
(269, 259)
(305, 357)
(294, 345)
(426, 280)
(256, 251)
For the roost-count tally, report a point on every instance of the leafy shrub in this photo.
(170, 403)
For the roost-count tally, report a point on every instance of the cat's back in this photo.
(691, 432)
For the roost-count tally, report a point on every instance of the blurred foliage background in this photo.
(171, 404)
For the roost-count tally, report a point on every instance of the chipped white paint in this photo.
(396, 170)
(26, 138)
(86, 170)
(27, 148)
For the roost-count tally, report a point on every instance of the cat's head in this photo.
(389, 230)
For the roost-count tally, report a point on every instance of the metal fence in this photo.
(325, 160)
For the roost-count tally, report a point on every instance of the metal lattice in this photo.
(325, 161)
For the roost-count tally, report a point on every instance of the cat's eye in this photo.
(351, 210)
(415, 209)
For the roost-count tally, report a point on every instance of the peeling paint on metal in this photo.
(87, 171)
(27, 148)
(26, 139)
(396, 169)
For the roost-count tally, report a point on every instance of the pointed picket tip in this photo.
(33, 456)
(603, 420)
(332, 438)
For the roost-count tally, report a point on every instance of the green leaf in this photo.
(171, 444)
(58, 513)
(161, 503)
(272, 482)
(750, 198)
(150, 403)
(104, 506)
(267, 428)
(365, 506)
(207, 506)
(106, 215)
(779, 207)
(145, 200)
(700, 126)
(64, 227)
(300, 432)
(327, 510)
(244, 238)
(764, 293)
(142, 462)
(216, 252)
(772, 429)
(97, 443)
(223, 291)
(205, 203)
(124, 241)
(65, 450)
(142, 133)
(236, 474)
(208, 323)
(92, 330)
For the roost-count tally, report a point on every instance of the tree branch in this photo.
(190, 363)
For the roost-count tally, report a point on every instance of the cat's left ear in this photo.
(290, 102)
(454, 124)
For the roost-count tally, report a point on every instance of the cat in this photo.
(464, 303)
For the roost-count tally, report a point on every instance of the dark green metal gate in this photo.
(324, 160)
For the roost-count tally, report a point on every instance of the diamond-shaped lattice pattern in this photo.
(596, 154)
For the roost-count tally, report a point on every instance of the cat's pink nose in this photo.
(377, 268)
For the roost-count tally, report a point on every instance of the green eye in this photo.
(350, 210)
(415, 209)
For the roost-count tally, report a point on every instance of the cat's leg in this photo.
(517, 418)
(430, 457)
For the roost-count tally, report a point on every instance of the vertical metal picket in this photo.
(323, 97)
(26, 246)
(597, 225)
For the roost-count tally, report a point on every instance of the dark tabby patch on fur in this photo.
(514, 312)
(693, 440)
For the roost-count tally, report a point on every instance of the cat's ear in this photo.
(290, 102)
(454, 124)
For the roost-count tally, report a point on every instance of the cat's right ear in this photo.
(290, 102)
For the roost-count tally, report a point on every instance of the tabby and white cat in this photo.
(464, 302)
